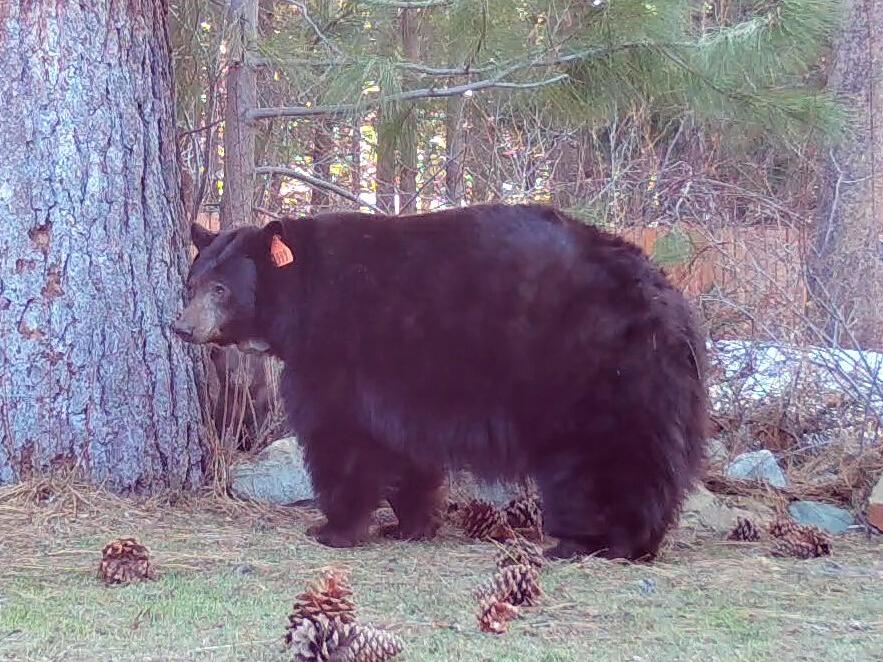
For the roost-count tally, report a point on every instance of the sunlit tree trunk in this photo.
(92, 249)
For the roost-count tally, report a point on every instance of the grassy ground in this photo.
(228, 576)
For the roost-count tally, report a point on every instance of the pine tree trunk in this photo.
(323, 148)
(386, 164)
(455, 141)
(845, 274)
(238, 410)
(237, 203)
(356, 157)
(408, 138)
(92, 249)
(565, 176)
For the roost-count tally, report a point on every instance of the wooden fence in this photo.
(747, 281)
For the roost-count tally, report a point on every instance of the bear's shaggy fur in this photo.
(508, 340)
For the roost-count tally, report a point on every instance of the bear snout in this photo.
(198, 323)
(183, 329)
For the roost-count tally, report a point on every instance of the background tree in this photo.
(846, 259)
(92, 249)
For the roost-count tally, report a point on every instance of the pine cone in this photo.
(125, 561)
(364, 643)
(515, 584)
(782, 526)
(317, 638)
(525, 515)
(494, 615)
(520, 552)
(331, 597)
(745, 530)
(807, 542)
(484, 521)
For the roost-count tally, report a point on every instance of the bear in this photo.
(511, 340)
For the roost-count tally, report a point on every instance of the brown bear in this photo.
(512, 341)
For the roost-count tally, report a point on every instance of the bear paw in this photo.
(333, 537)
(426, 531)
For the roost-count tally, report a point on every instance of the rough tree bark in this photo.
(237, 203)
(845, 273)
(408, 140)
(92, 257)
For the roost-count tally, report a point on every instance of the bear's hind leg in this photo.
(348, 475)
(601, 515)
(417, 499)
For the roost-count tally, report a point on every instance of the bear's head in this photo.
(222, 285)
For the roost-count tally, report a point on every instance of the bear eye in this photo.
(219, 290)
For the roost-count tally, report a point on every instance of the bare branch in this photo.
(315, 182)
(411, 95)
(532, 84)
(494, 82)
(320, 36)
(404, 4)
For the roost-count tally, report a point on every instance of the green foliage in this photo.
(746, 76)
(673, 248)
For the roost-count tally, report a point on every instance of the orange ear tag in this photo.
(279, 252)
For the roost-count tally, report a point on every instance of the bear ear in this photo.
(200, 236)
(274, 244)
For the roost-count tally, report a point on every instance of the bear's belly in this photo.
(453, 432)
(449, 429)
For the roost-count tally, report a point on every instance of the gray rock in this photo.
(717, 452)
(276, 475)
(704, 510)
(647, 586)
(243, 569)
(464, 485)
(757, 465)
(825, 516)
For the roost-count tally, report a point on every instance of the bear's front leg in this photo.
(348, 474)
(417, 501)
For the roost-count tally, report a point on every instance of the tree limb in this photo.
(495, 82)
(408, 4)
(320, 35)
(315, 182)
(411, 95)
(532, 84)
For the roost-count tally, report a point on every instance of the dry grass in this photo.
(228, 573)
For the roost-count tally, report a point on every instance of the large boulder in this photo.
(276, 475)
